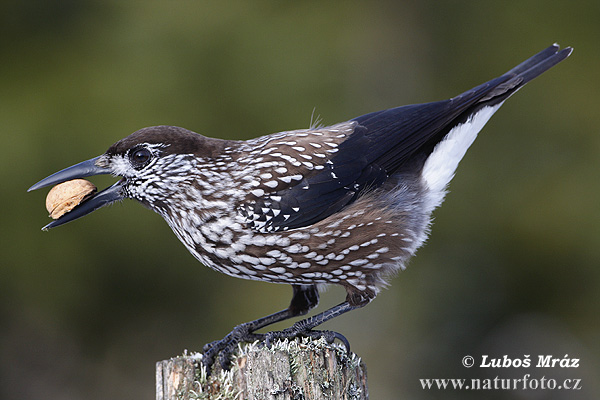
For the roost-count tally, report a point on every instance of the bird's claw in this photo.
(224, 348)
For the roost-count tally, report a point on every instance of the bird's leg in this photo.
(305, 297)
(305, 327)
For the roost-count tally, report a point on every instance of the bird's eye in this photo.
(140, 157)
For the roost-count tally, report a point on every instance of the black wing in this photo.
(382, 144)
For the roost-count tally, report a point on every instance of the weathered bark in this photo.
(300, 369)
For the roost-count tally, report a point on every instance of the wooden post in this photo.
(290, 370)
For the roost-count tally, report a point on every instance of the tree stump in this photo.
(304, 369)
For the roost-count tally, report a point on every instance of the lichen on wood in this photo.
(303, 368)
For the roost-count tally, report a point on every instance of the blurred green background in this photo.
(511, 266)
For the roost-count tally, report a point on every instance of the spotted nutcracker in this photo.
(345, 204)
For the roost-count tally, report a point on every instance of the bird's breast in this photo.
(357, 247)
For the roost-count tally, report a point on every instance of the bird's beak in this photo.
(81, 170)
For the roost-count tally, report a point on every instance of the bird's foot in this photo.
(222, 350)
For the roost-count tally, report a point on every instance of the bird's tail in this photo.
(526, 71)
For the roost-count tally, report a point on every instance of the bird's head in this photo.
(152, 163)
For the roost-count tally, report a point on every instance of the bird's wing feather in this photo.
(375, 146)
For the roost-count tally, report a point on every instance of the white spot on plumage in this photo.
(249, 259)
(267, 151)
(299, 235)
(274, 253)
(222, 253)
(294, 249)
(290, 159)
(266, 261)
(240, 268)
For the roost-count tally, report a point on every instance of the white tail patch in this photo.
(441, 165)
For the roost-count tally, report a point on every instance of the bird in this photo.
(346, 204)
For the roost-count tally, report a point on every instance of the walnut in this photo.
(64, 197)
